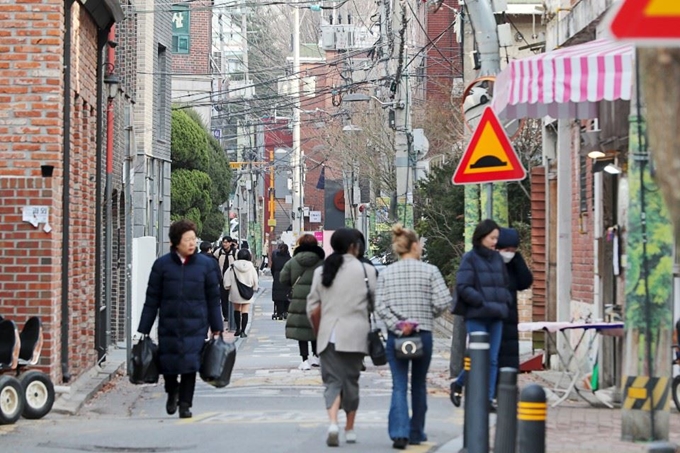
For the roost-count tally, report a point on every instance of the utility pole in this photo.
(298, 189)
(402, 109)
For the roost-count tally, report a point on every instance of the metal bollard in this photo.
(662, 447)
(466, 367)
(532, 412)
(477, 395)
(506, 418)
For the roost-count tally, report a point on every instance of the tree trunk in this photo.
(660, 70)
(649, 245)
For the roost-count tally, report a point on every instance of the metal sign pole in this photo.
(489, 200)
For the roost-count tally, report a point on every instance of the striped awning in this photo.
(565, 83)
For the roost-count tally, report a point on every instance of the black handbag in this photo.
(408, 348)
(376, 345)
(244, 290)
(376, 342)
(143, 367)
(217, 362)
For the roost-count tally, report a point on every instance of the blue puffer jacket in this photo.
(482, 284)
(187, 299)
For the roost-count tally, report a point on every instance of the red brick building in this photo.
(51, 103)
(191, 51)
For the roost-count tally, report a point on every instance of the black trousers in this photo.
(224, 299)
(186, 385)
(304, 348)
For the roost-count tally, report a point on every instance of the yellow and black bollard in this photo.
(532, 412)
(466, 367)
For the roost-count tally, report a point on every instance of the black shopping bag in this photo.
(217, 362)
(143, 367)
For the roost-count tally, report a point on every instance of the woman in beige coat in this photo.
(344, 288)
(246, 273)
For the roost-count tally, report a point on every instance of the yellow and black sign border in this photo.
(640, 391)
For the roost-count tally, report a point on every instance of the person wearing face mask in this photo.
(482, 289)
(519, 279)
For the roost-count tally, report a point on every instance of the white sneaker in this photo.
(350, 437)
(333, 437)
(304, 366)
(314, 361)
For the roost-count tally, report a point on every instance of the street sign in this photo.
(489, 156)
(647, 21)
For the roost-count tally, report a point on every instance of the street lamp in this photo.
(112, 83)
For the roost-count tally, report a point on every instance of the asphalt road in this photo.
(270, 406)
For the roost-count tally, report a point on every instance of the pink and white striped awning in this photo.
(565, 83)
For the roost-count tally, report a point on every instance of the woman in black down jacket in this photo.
(519, 279)
(279, 291)
(184, 292)
(482, 288)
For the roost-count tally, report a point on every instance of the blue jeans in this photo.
(494, 327)
(399, 424)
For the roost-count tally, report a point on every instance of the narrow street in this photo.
(269, 406)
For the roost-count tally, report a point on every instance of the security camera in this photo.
(477, 97)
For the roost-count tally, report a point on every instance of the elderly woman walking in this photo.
(342, 292)
(410, 294)
(183, 292)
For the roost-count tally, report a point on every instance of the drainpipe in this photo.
(128, 175)
(108, 246)
(99, 340)
(66, 201)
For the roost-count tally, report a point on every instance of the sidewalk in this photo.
(575, 426)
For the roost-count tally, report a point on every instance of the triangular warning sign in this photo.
(490, 156)
(656, 20)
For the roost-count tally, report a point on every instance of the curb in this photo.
(90, 383)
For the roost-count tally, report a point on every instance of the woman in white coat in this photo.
(243, 270)
(344, 288)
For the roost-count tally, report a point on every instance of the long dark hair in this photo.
(484, 228)
(341, 241)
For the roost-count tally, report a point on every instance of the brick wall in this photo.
(83, 170)
(582, 228)
(30, 261)
(443, 60)
(31, 134)
(31, 57)
(197, 61)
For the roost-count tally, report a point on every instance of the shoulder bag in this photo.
(376, 342)
(244, 290)
(289, 296)
(408, 347)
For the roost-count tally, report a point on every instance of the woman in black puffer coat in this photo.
(184, 293)
(482, 289)
(519, 279)
(279, 290)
